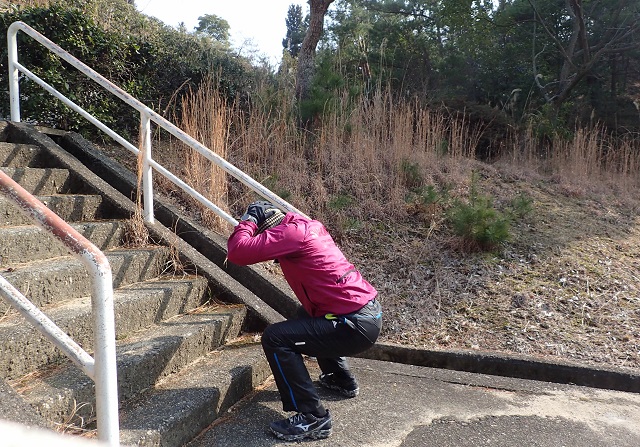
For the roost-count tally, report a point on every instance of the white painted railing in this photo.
(146, 116)
(102, 367)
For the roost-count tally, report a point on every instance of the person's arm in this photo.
(244, 249)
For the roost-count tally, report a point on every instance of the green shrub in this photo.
(477, 222)
(325, 94)
(520, 206)
(427, 196)
(350, 224)
(149, 60)
(411, 174)
(80, 36)
(272, 183)
(341, 202)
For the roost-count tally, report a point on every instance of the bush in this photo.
(427, 196)
(147, 59)
(79, 35)
(520, 206)
(477, 222)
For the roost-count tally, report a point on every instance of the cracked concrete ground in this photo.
(409, 406)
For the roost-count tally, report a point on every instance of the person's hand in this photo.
(258, 212)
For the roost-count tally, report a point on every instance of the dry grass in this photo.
(368, 156)
(136, 233)
(566, 285)
(206, 117)
(356, 158)
(75, 424)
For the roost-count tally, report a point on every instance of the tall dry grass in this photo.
(355, 156)
(623, 163)
(592, 159)
(207, 118)
(136, 234)
(362, 159)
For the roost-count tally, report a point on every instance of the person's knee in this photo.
(270, 338)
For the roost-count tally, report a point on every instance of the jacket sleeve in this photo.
(243, 248)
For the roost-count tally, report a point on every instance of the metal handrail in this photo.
(146, 116)
(102, 369)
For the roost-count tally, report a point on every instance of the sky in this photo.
(254, 24)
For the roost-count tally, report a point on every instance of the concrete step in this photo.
(40, 181)
(171, 384)
(136, 307)
(23, 155)
(14, 408)
(66, 278)
(26, 243)
(70, 208)
(65, 395)
(195, 397)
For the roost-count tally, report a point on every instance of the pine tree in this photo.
(296, 30)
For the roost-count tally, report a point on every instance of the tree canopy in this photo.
(214, 26)
(296, 30)
(551, 61)
(521, 56)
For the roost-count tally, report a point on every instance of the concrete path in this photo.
(409, 406)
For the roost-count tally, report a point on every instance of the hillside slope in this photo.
(566, 286)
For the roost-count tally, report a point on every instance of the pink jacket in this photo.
(315, 268)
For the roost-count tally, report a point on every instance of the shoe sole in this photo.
(317, 434)
(343, 391)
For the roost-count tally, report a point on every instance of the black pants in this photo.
(329, 340)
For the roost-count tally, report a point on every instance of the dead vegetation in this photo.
(564, 286)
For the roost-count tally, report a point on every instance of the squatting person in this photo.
(339, 317)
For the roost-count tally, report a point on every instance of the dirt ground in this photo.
(565, 286)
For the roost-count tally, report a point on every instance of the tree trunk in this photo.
(306, 57)
(579, 55)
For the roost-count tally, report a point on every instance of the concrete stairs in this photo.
(185, 345)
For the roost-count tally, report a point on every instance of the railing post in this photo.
(106, 380)
(147, 173)
(14, 89)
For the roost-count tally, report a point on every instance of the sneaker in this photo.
(346, 387)
(301, 426)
